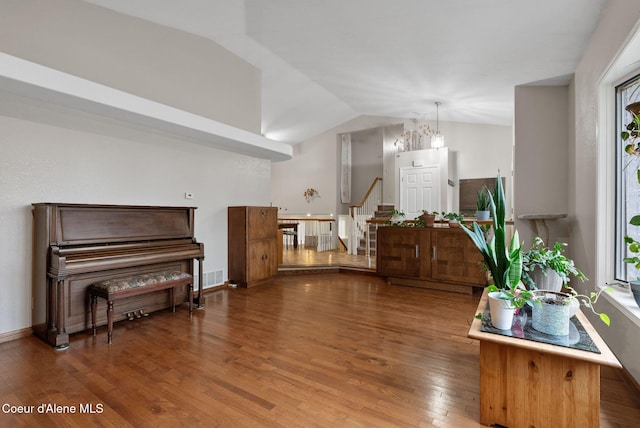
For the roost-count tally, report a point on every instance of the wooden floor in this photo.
(328, 350)
(305, 257)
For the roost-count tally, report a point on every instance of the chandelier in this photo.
(411, 140)
(437, 139)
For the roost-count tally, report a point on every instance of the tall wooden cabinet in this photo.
(440, 257)
(252, 244)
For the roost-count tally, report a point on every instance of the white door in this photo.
(419, 190)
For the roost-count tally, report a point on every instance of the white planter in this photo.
(397, 218)
(482, 215)
(546, 280)
(501, 311)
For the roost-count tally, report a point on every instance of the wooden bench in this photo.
(118, 288)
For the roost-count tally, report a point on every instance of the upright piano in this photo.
(75, 245)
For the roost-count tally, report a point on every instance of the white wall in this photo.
(563, 143)
(366, 160)
(315, 164)
(481, 151)
(103, 162)
(149, 60)
(589, 139)
(54, 154)
(390, 135)
(541, 175)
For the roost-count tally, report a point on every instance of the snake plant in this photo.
(502, 259)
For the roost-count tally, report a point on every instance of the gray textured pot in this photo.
(552, 318)
(635, 290)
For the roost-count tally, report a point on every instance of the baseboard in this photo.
(364, 271)
(303, 270)
(16, 334)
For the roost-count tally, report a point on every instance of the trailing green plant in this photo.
(542, 257)
(591, 300)
(501, 257)
(517, 296)
(483, 199)
(633, 245)
(631, 135)
(453, 217)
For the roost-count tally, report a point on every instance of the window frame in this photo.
(621, 187)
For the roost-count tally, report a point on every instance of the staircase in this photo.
(380, 216)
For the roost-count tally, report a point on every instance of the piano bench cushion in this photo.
(128, 282)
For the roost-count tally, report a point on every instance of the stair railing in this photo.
(359, 214)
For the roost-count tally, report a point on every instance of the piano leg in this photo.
(56, 334)
(94, 308)
(199, 301)
(109, 321)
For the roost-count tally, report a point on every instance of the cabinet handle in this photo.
(435, 253)
(417, 251)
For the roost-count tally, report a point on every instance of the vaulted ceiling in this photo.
(326, 62)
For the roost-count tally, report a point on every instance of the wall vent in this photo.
(213, 278)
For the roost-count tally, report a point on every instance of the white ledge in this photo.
(33, 80)
(622, 299)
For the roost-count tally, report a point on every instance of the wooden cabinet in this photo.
(440, 258)
(252, 244)
(455, 258)
(403, 252)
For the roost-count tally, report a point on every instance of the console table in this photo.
(527, 383)
(540, 223)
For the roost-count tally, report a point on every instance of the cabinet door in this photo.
(456, 258)
(263, 259)
(263, 223)
(403, 252)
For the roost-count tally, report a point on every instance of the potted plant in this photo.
(482, 204)
(501, 257)
(548, 268)
(427, 219)
(397, 217)
(454, 219)
(551, 310)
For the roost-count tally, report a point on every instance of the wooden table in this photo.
(525, 383)
(294, 228)
(310, 229)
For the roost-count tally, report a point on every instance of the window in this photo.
(627, 181)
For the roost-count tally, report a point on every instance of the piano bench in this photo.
(118, 288)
